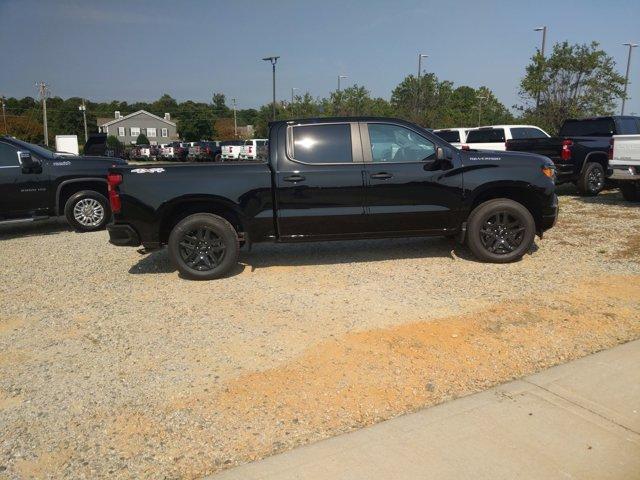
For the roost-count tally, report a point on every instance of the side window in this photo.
(322, 143)
(627, 126)
(393, 143)
(8, 155)
(519, 133)
(535, 133)
(486, 135)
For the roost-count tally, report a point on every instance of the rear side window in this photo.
(519, 133)
(8, 155)
(322, 143)
(627, 126)
(489, 135)
(450, 136)
(249, 142)
(600, 127)
(535, 133)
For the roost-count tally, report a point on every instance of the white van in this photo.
(494, 137)
(249, 150)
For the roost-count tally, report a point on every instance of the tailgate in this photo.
(626, 150)
(549, 147)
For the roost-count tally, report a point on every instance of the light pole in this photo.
(542, 29)
(480, 98)
(235, 120)
(340, 77)
(43, 90)
(626, 77)
(273, 61)
(292, 90)
(420, 57)
(83, 109)
(4, 117)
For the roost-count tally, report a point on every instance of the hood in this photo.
(91, 160)
(504, 157)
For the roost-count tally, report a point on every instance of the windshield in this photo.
(450, 136)
(598, 127)
(37, 149)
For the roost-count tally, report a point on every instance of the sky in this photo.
(189, 49)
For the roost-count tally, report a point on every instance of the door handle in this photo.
(294, 178)
(381, 176)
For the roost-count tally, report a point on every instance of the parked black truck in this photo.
(581, 149)
(36, 183)
(331, 179)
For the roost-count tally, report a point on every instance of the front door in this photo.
(408, 191)
(319, 181)
(21, 193)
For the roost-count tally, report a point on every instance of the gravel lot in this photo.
(111, 366)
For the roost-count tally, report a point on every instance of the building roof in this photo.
(116, 120)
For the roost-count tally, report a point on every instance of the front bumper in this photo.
(625, 172)
(549, 214)
(123, 235)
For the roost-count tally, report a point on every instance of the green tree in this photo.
(574, 81)
(220, 108)
(142, 140)
(113, 143)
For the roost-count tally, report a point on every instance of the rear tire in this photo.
(592, 180)
(87, 211)
(500, 231)
(203, 246)
(630, 191)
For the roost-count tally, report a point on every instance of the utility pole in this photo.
(235, 119)
(480, 98)
(340, 77)
(542, 29)
(292, 90)
(83, 109)
(420, 57)
(626, 77)
(43, 90)
(273, 61)
(4, 117)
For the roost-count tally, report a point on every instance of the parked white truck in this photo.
(624, 160)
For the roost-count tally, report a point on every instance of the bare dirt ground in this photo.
(111, 366)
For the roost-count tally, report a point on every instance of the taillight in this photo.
(250, 149)
(230, 149)
(465, 147)
(565, 154)
(611, 149)
(507, 144)
(113, 180)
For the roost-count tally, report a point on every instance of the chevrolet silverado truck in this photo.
(36, 184)
(624, 159)
(335, 179)
(581, 149)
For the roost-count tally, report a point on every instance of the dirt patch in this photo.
(631, 249)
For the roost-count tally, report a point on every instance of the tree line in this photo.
(574, 81)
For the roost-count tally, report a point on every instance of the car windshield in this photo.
(599, 127)
(37, 149)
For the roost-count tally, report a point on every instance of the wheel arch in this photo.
(520, 193)
(181, 208)
(596, 157)
(69, 187)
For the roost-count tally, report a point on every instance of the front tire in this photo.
(630, 191)
(592, 180)
(87, 211)
(203, 246)
(500, 231)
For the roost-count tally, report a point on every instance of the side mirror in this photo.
(28, 163)
(443, 154)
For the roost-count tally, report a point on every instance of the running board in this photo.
(23, 220)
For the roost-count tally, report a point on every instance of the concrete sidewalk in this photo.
(579, 420)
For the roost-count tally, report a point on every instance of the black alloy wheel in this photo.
(202, 249)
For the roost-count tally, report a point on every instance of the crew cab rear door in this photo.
(319, 181)
(408, 190)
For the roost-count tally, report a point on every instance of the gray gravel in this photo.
(98, 343)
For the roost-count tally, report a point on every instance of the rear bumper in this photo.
(625, 172)
(123, 235)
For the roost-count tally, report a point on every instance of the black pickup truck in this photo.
(36, 183)
(333, 179)
(581, 149)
